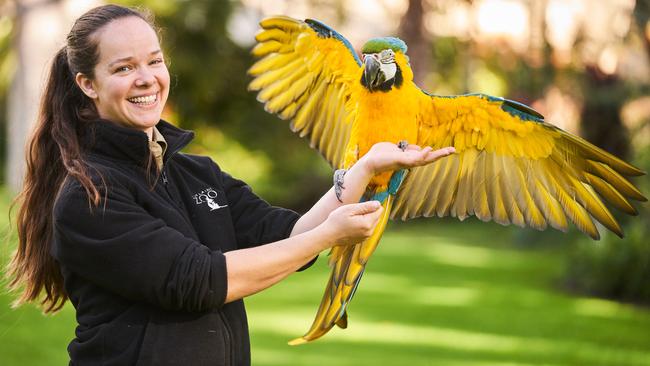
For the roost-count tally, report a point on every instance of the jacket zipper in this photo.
(165, 180)
(228, 334)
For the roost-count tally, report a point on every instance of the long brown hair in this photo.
(54, 152)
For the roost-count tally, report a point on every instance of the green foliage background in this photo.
(7, 65)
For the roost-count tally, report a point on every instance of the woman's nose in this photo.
(144, 78)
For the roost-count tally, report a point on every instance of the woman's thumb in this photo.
(366, 207)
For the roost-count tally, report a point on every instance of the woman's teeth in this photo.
(149, 99)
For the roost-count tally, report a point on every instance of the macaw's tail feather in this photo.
(348, 264)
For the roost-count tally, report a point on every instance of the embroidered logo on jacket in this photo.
(208, 196)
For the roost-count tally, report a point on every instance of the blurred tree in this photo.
(604, 96)
(36, 29)
(642, 18)
(411, 30)
(7, 65)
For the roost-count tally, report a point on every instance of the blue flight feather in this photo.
(323, 30)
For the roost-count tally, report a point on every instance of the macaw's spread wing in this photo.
(512, 167)
(303, 76)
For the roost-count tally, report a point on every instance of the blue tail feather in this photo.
(396, 181)
(393, 186)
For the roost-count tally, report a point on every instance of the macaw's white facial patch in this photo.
(389, 70)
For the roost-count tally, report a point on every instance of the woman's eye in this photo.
(156, 61)
(123, 68)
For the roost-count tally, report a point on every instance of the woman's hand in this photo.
(386, 156)
(351, 224)
(346, 225)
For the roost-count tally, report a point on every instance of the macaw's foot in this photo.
(403, 145)
(338, 183)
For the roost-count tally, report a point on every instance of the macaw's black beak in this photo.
(372, 73)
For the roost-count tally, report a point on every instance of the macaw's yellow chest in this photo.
(382, 116)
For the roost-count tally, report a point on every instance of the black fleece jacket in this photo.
(145, 269)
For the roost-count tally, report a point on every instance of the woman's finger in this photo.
(364, 208)
(445, 151)
(375, 216)
(427, 156)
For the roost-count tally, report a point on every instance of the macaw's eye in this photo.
(387, 56)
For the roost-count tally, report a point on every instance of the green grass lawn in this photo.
(452, 294)
(437, 292)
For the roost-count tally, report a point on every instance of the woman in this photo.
(154, 248)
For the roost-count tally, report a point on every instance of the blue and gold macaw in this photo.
(510, 165)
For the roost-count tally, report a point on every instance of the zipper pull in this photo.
(164, 177)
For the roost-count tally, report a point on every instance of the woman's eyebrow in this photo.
(124, 59)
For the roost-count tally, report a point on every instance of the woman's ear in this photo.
(86, 85)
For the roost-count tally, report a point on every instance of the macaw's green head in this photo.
(381, 72)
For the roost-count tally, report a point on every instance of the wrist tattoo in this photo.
(338, 183)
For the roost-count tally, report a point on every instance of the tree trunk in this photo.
(411, 30)
(600, 118)
(40, 32)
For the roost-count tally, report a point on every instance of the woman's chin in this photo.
(145, 122)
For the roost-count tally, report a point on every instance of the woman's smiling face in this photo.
(131, 81)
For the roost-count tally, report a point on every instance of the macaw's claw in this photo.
(338, 183)
(403, 145)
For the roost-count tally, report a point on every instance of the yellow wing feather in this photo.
(304, 76)
(512, 167)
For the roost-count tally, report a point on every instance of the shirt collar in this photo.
(159, 138)
(157, 145)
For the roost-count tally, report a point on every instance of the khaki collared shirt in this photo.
(157, 145)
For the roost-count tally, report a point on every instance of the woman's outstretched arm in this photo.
(382, 157)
